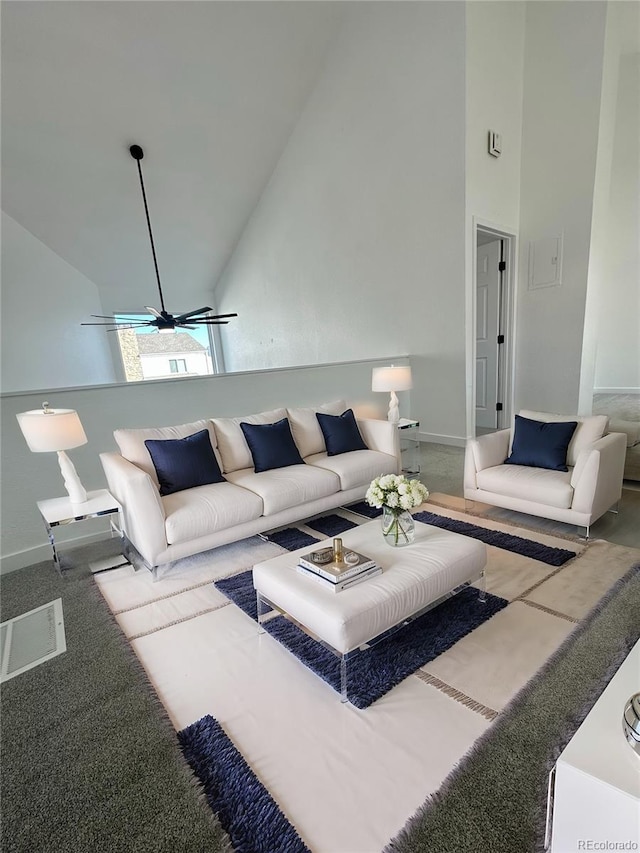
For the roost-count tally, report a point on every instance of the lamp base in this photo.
(77, 492)
(393, 415)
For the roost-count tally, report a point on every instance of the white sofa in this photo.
(164, 529)
(631, 429)
(591, 486)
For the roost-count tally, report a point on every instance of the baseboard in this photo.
(616, 390)
(453, 440)
(39, 553)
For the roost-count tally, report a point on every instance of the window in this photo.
(149, 354)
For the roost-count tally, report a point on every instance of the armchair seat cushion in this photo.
(208, 509)
(281, 488)
(539, 485)
(356, 467)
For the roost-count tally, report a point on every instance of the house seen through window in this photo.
(149, 354)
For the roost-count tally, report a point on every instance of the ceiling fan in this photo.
(162, 320)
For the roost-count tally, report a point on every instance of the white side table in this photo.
(60, 511)
(597, 776)
(409, 446)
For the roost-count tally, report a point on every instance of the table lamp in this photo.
(392, 379)
(47, 430)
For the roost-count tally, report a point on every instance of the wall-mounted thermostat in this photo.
(495, 143)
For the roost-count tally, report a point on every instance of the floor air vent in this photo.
(31, 639)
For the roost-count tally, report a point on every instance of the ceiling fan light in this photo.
(168, 330)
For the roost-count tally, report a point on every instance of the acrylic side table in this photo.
(60, 511)
(409, 446)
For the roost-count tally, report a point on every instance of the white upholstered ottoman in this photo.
(415, 578)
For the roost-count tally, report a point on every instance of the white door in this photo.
(487, 327)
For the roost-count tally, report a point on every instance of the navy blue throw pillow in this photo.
(541, 445)
(271, 445)
(341, 433)
(182, 463)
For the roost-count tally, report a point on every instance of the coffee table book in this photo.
(338, 571)
(338, 586)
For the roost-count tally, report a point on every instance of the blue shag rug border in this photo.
(291, 538)
(333, 525)
(375, 671)
(245, 808)
(506, 541)
(363, 508)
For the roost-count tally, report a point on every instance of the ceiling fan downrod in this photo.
(137, 153)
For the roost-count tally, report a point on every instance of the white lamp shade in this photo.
(56, 429)
(391, 378)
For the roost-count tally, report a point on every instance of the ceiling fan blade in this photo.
(209, 322)
(127, 325)
(184, 326)
(213, 317)
(188, 314)
(118, 317)
(154, 312)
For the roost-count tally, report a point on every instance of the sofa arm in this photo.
(142, 509)
(485, 451)
(597, 475)
(382, 436)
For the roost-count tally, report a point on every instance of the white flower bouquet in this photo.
(395, 492)
(396, 495)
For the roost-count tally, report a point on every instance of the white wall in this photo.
(44, 300)
(28, 477)
(495, 59)
(357, 245)
(610, 352)
(564, 44)
(618, 354)
(494, 89)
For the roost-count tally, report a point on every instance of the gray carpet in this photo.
(495, 799)
(90, 762)
(89, 759)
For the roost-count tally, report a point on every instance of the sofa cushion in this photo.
(341, 433)
(541, 444)
(589, 429)
(131, 442)
(182, 463)
(357, 468)
(271, 445)
(282, 488)
(539, 485)
(630, 428)
(306, 429)
(207, 509)
(232, 446)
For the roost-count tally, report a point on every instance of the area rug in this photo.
(499, 792)
(314, 755)
(587, 660)
(376, 670)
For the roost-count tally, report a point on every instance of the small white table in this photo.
(60, 511)
(597, 776)
(409, 446)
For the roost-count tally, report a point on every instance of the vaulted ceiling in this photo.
(210, 90)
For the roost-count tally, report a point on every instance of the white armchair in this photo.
(591, 485)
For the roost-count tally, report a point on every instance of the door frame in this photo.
(508, 324)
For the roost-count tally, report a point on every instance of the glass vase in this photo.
(398, 527)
